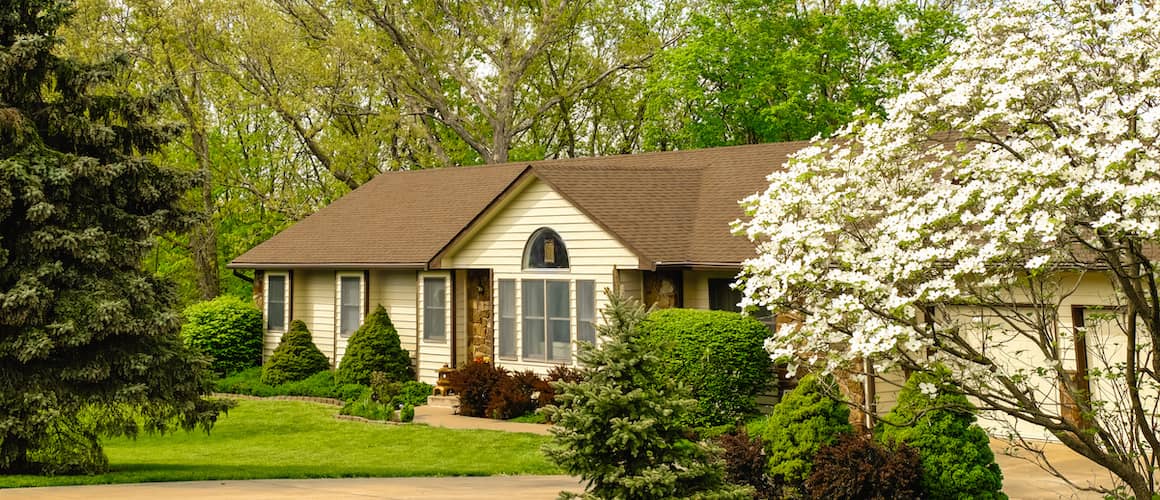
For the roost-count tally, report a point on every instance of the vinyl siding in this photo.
(397, 292)
(314, 299)
(593, 254)
(697, 286)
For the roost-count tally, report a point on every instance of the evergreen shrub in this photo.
(857, 468)
(227, 329)
(375, 347)
(956, 455)
(719, 355)
(620, 428)
(807, 419)
(295, 358)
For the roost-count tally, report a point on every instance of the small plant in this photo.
(620, 430)
(407, 414)
(935, 418)
(856, 468)
(474, 382)
(719, 355)
(745, 462)
(375, 347)
(227, 329)
(295, 358)
(801, 424)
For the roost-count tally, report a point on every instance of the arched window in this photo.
(545, 250)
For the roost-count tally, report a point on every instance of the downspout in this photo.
(869, 393)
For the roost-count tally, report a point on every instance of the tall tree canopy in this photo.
(754, 71)
(88, 338)
(1022, 170)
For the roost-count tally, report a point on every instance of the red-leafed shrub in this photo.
(474, 382)
(856, 467)
(514, 395)
(746, 463)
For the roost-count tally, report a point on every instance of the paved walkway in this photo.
(1022, 480)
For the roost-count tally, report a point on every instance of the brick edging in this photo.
(308, 399)
(356, 418)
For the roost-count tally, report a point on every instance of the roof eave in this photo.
(327, 265)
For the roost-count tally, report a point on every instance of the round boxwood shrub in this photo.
(935, 417)
(719, 355)
(375, 347)
(295, 358)
(801, 424)
(226, 328)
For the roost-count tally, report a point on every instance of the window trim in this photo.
(362, 300)
(445, 278)
(525, 257)
(515, 319)
(547, 321)
(285, 275)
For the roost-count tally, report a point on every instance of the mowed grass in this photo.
(290, 439)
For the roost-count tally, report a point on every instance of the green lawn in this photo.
(289, 439)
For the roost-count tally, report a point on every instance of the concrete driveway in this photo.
(425, 488)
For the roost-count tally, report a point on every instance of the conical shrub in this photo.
(375, 347)
(295, 358)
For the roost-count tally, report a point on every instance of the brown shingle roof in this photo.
(398, 219)
(668, 208)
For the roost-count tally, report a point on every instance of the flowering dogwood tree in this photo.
(1003, 220)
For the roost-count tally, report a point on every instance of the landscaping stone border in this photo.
(308, 399)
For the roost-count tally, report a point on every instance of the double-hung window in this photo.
(276, 302)
(349, 304)
(507, 319)
(547, 320)
(434, 309)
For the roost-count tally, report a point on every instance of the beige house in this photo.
(509, 262)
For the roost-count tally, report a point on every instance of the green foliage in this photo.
(227, 329)
(367, 407)
(398, 394)
(89, 341)
(375, 347)
(295, 358)
(319, 385)
(957, 460)
(407, 413)
(807, 419)
(857, 468)
(754, 71)
(719, 355)
(619, 429)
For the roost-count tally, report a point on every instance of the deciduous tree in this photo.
(959, 228)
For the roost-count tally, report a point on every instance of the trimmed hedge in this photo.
(227, 329)
(319, 385)
(295, 358)
(801, 424)
(957, 461)
(375, 347)
(719, 355)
